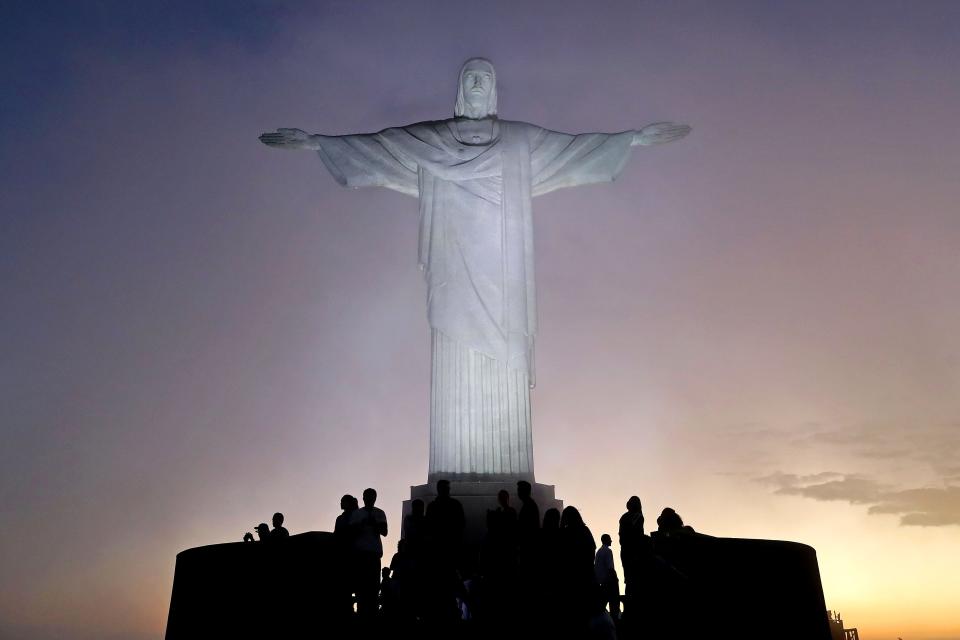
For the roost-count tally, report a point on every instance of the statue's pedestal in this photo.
(479, 496)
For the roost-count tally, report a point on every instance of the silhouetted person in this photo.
(576, 542)
(414, 554)
(343, 535)
(415, 527)
(498, 566)
(445, 515)
(668, 521)
(263, 532)
(368, 524)
(506, 539)
(669, 543)
(528, 519)
(445, 521)
(528, 537)
(579, 594)
(666, 571)
(499, 545)
(445, 524)
(633, 548)
(607, 575)
(551, 520)
(341, 528)
(408, 573)
(279, 531)
(402, 563)
(389, 594)
(547, 581)
(549, 539)
(503, 519)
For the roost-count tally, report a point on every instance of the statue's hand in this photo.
(288, 139)
(660, 133)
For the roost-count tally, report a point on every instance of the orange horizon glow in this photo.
(756, 326)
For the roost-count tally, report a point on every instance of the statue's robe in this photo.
(476, 250)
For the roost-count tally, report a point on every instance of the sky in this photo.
(756, 326)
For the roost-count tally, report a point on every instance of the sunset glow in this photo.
(759, 328)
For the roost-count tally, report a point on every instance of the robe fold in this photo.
(476, 251)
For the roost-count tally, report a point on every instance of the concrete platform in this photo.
(479, 496)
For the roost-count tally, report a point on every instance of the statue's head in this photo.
(477, 91)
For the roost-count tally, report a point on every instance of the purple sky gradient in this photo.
(199, 330)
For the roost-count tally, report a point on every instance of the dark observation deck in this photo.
(691, 586)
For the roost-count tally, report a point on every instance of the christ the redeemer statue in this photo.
(475, 176)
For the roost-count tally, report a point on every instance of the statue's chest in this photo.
(475, 132)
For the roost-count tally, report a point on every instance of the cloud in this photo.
(936, 446)
(874, 451)
(923, 507)
(792, 480)
(851, 489)
(927, 507)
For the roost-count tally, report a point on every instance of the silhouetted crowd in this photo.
(264, 532)
(530, 577)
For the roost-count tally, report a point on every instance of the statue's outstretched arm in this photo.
(656, 133)
(355, 160)
(291, 139)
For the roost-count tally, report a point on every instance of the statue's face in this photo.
(477, 83)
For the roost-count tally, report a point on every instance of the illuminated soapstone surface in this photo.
(475, 176)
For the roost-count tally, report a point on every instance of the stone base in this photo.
(479, 496)
(745, 589)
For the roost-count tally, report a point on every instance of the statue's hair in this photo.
(460, 109)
